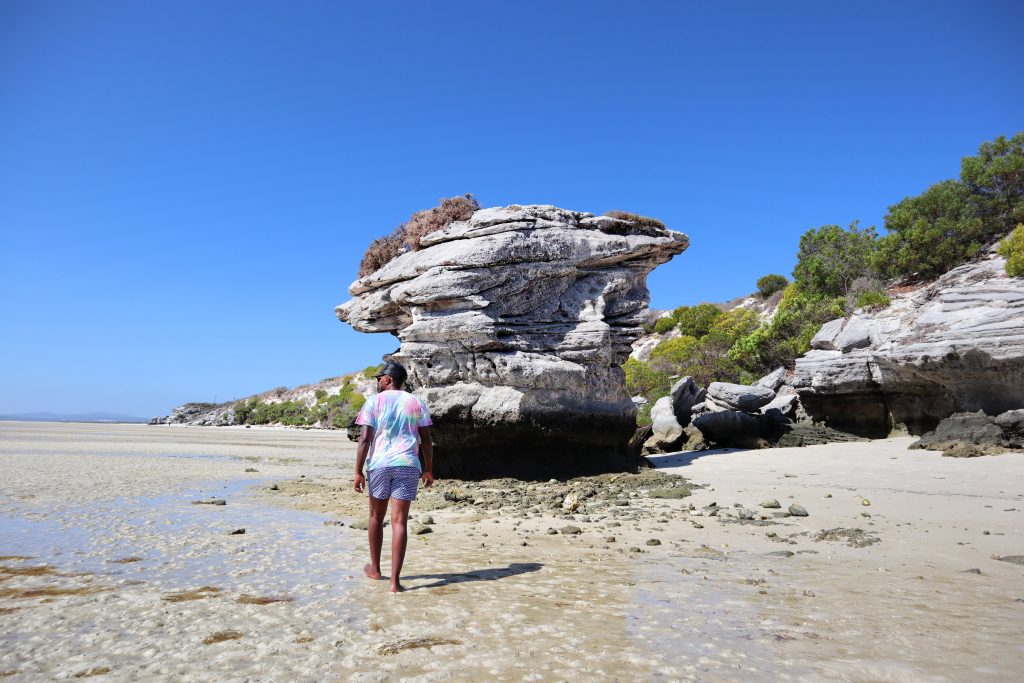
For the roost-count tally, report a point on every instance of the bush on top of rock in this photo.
(635, 218)
(1012, 249)
(407, 236)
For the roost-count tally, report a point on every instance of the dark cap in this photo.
(393, 370)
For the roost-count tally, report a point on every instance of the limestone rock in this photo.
(739, 396)
(666, 430)
(733, 428)
(966, 435)
(685, 394)
(954, 345)
(514, 325)
(773, 380)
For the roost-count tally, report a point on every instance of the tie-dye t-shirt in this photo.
(396, 417)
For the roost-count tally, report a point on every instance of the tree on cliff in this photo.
(830, 258)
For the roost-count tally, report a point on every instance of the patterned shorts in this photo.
(394, 482)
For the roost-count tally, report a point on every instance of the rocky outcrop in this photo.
(514, 325)
(671, 415)
(955, 345)
(967, 435)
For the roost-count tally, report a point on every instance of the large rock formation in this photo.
(955, 345)
(514, 325)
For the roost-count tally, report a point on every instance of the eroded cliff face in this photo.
(514, 326)
(955, 345)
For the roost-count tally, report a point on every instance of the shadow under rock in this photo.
(684, 458)
(489, 574)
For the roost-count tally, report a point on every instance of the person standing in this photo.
(396, 424)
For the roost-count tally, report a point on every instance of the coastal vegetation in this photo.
(840, 270)
(335, 411)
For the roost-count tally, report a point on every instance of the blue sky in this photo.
(186, 188)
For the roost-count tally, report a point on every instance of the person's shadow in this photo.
(488, 574)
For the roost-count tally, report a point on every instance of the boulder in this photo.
(967, 435)
(666, 432)
(734, 429)
(514, 325)
(773, 380)
(954, 345)
(685, 394)
(739, 396)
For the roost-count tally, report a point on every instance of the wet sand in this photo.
(109, 570)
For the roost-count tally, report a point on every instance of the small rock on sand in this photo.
(418, 529)
(653, 541)
(771, 504)
(1012, 559)
(781, 553)
(210, 501)
(360, 524)
(797, 510)
(570, 530)
(236, 532)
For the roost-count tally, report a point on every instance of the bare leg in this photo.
(399, 539)
(375, 532)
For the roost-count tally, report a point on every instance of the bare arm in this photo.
(365, 440)
(427, 446)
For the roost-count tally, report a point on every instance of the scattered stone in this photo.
(855, 538)
(671, 493)
(430, 520)
(771, 504)
(973, 570)
(251, 469)
(361, 524)
(571, 503)
(418, 529)
(210, 501)
(334, 522)
(781, 553)
(744, 513)
(275, 487)
(551, 532)
(797, 510)
(236, 532)
(865, 502)
(1012, 559)
(570, 530)
(653, 541)
(609, 539)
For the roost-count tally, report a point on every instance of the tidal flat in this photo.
(705, 569)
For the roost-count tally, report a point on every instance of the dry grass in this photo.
(95, 671)
(645, 221)
(246, 599)
(413, 643)
(197, 594)
(46, 592)
(407, 236)
(221, 636)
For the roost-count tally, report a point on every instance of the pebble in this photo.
(236, 532)
(865, 502)
(609, 539)
(772, 504)
(781, 553)
(210, 501)
(1012, 559)
(973, 570)
(570, 530)
(653, 541)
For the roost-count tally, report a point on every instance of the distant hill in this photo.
(78, 417)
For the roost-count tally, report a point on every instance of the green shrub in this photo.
(769, 284)
(663, 325)
(872, 300)
(788, 334)
(320, 394)
(1012, 248)
(643, 380)
(370, 371)
(995, 179)
(830, 258)
(931, 233)
(696, 321)
(635, 218)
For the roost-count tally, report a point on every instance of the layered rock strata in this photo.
(955, 345)
(514, 325)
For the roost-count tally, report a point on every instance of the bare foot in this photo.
(371, 572)
(397, 588)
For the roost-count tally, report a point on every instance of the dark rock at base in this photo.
(734, 428)
(636, 442)
(968, 435)
(1012, 559)
(236, 532)
(804, 433)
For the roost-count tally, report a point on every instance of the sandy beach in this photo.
(110, 569)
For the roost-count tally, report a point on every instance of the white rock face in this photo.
(739, 396)
(955, 345)
(514, 325)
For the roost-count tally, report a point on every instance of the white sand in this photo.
(516, 603)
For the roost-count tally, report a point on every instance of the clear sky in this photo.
(186, 188)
